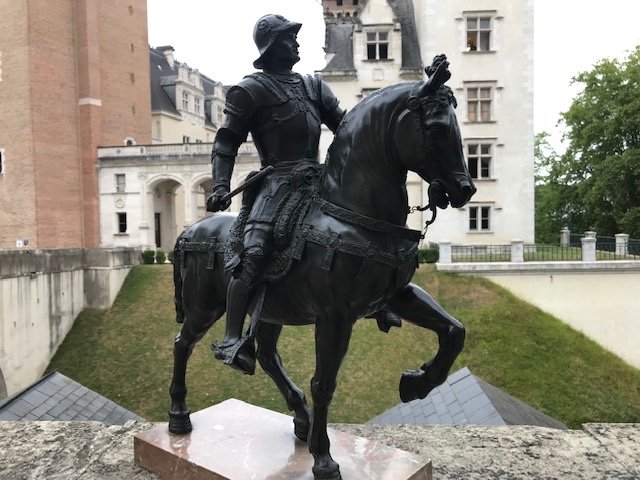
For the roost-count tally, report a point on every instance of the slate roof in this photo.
(465, 399)
(57, 397)
(163, 77)
(339, 39)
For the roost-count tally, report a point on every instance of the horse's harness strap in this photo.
(370, 252)
(211, 247)
(369, 223)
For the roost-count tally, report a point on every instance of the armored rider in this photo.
(283, 111)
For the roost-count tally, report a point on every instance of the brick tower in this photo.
(74, 74)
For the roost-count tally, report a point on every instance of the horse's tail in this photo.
(177, 279)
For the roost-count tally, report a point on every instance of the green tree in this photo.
(551, 208)
(595, 184)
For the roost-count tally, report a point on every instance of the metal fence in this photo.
(606, 249)
(551, 253)
(481, 253)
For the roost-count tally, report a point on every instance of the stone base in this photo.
(234, 440)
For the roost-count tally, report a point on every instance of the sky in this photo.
(570, 36)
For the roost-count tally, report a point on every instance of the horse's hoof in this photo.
(326, 470)
(179, 423)
(414, 384)
(301, 428)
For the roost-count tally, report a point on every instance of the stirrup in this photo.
(240, 355)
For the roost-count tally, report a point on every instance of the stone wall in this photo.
(41, 294)
(90, 450)
(598, 299)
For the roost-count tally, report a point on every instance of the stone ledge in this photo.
(542, 268)
(90, 450)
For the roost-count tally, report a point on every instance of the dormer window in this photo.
(377, 45)
(185, 100)
(196, 105)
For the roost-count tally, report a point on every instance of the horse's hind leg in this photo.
(416, 306)
(271, 363)
(195, 326)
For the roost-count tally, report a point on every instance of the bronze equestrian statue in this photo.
(318, 244)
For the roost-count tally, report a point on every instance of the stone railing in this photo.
(170, 149)
(591, 249)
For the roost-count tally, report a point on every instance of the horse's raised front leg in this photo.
(332, 341)
(271, 363)
(416, 306)
(195, 326)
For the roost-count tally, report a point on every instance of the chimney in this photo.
(167, 51)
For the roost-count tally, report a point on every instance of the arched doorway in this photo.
(168, 212)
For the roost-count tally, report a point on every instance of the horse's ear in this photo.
(438, 74)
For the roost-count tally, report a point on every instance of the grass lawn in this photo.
(125, 353)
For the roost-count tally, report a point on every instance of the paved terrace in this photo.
(90, 450)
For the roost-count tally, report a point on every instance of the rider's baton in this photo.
(261, 174)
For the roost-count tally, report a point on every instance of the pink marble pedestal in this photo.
(234, 440)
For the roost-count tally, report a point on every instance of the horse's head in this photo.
(427, 139)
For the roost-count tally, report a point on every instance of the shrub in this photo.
(160, 256)
(170, 256)
(428, 255)
(148, 256)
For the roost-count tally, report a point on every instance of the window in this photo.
(196, 105)
(120, 182)
(219, 115)
(186, 139)
(377, 45)
(132, 47)
(122, 222)
(479, 104)
(198, 140)
(355, 2)
(132, 77)
(185, 100)
(1, 161)
(478, 34)
(480, 219)
(339, 3)
(479, 157)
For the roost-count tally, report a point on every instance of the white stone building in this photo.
(489, 43)
(150, 193)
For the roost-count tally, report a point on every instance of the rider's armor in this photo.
(283, 113)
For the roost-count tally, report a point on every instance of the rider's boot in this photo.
(235, 350)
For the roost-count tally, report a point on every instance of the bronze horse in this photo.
(357, 259)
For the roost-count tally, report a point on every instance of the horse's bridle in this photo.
(415, 105)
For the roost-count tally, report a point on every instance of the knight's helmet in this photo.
(266, 31)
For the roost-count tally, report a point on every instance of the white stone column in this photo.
(145, 214)
(445, 252)
(622, 244)
(517, 251)
(565, 237)
(189, 204)
(588, 248)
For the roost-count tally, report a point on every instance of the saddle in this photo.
(290, 213)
